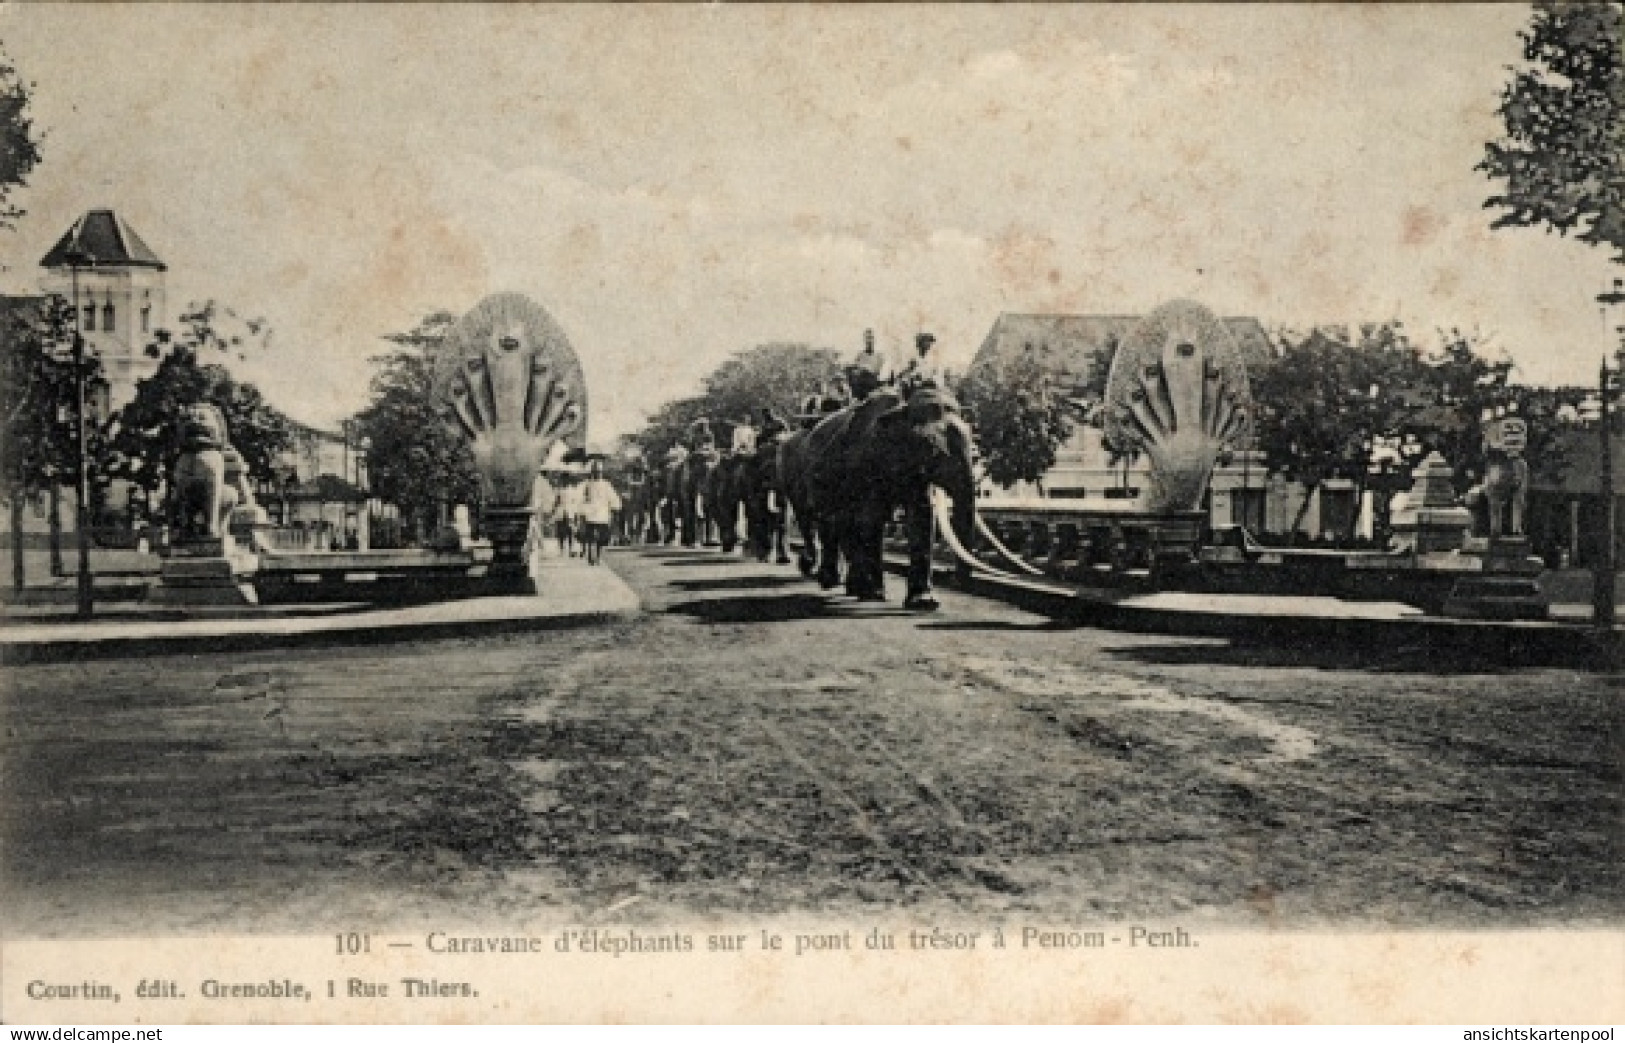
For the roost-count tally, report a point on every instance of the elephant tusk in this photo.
(1002, 551)
(940, 504)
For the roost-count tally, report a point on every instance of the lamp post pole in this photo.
(76, 259)
(1602, 572)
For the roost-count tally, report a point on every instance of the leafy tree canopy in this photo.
(38, 396)
(777, 375)
(1458, 388)
(1323, 400)
(19, 142)
(416, 462)
(1562, 159)
(1323, 403)
(1019, 418)
(145, 435)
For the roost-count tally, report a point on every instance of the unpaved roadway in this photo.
(753, 747)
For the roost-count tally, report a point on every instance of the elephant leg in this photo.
(922, 534)
(829, 551)
(761, 537)
(865, 574)
(726, 531)
(782, 550)
(807, 557)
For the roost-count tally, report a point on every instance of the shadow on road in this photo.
(781, 609)
(738, 583)
(1047, 626)
(1394, 659)
(689, 560)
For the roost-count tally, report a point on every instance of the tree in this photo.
(19, 144)
(776, 375)
(416, 462)
(1563, 156)
(1322, 402)
(669, 426)
(1457, 388)
(1019, 418)
(37, 400)
(145, 435)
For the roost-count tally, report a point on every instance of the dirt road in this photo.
(754, 746)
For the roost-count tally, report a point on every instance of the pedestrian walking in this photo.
(598, 502)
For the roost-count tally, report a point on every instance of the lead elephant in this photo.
(846, 477)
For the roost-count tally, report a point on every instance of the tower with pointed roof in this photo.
(121, 295)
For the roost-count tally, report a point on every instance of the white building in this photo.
(121, 296)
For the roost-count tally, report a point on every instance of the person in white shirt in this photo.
(924, 370)
(869, 370)
(744, 438)
(598, 504)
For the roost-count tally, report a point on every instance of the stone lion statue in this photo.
(209, 476)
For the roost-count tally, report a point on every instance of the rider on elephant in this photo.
(924, 369)
(744, 437)
(869, 370)
(830, 397)
(772, 427)
(700, 436)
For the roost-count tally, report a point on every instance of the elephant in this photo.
(847, 476)
(792, 469)
(766, 510)
(722, 500)
(699, 527)
(667, 493)
(638, 515)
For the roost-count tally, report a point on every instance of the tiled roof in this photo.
(1068, 342)
(104, 239)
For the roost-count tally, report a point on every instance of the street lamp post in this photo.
(77, 259)
(1602, 572)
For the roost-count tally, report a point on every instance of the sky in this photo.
(678, 183)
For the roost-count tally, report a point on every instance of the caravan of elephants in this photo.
(843, 477)
(899, 451)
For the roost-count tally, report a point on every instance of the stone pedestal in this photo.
(511, 549)
(206, 572)
(1431, 521)
(1506, 555)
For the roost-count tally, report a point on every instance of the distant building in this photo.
(320, 492)
(122, 296)
(1565, 517)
